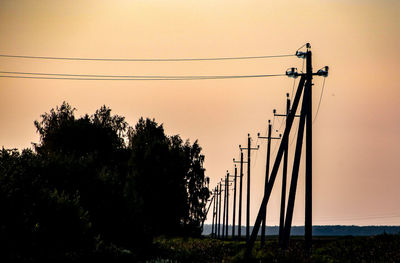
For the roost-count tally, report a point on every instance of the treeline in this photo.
(94, 187)
(327, 230)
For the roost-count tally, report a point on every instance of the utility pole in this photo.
(240, 193)
(248, 184)
(219, 210)
(223, 217)
(308, 201)
(234, 202)
(284, 176)
(213, 218)
(227, 204)
(268, 138)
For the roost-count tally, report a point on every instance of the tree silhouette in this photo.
(85, 193)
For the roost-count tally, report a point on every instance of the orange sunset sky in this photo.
(356, 143)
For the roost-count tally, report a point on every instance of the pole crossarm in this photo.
(284, 115)
(272, 138)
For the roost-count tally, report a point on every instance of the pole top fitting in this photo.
(240, 146)
(301, 54)
(308, 45)
(323, 72)
(248, 135)
(258, 134)
(287, 95)
(292, 72)
(269, 121)
(274, 111)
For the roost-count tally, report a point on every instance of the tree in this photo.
(168, 179)
(84, 193)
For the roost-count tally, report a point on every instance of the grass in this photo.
(382, 248)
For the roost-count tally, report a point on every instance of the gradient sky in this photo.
(356, 135)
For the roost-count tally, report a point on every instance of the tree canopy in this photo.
(93, 185)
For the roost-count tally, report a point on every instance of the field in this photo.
(382, 248)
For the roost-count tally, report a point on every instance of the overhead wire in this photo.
(144, 59)
(320, 99)
(255, 159)
(110, 77)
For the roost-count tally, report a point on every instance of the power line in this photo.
(144, 77)
(144, 59)
(320, 99)
(136, 76)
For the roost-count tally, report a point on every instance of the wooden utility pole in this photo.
(249, 149)
(219, 210)
(308, 112)
(268, 138)
(234, 202)
(214, 214)
(223, 217)
(284, 178)
(240, 193)
(227, 205)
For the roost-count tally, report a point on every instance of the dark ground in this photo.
(381, 248)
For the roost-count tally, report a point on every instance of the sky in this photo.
(356, 144)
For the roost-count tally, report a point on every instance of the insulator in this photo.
(292, 73)
(323, 72)
(301, 54)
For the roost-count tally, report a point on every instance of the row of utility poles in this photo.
(222, 200)
(302, 100)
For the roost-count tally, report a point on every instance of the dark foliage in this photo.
(381, 248)
(83, 193)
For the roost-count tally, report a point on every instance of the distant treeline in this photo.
(328, 230)
(95, 188)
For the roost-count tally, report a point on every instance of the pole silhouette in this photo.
(219, 210)
(214, 214)
(308, 202)
(223, 217)
(275, 168)
(295, 174)
(234, 204)
(284, 178)
(248, 187)
(227, 205)
(268, 138)
(248, 184)
(266, 181)
(240, 195)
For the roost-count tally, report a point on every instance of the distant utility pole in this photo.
(234, 203)
(268, 138)
(284, 174)
(240, 193)
(219, 210)
(227, 204)
(214, 214)
(223, 217)
(249, 149)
